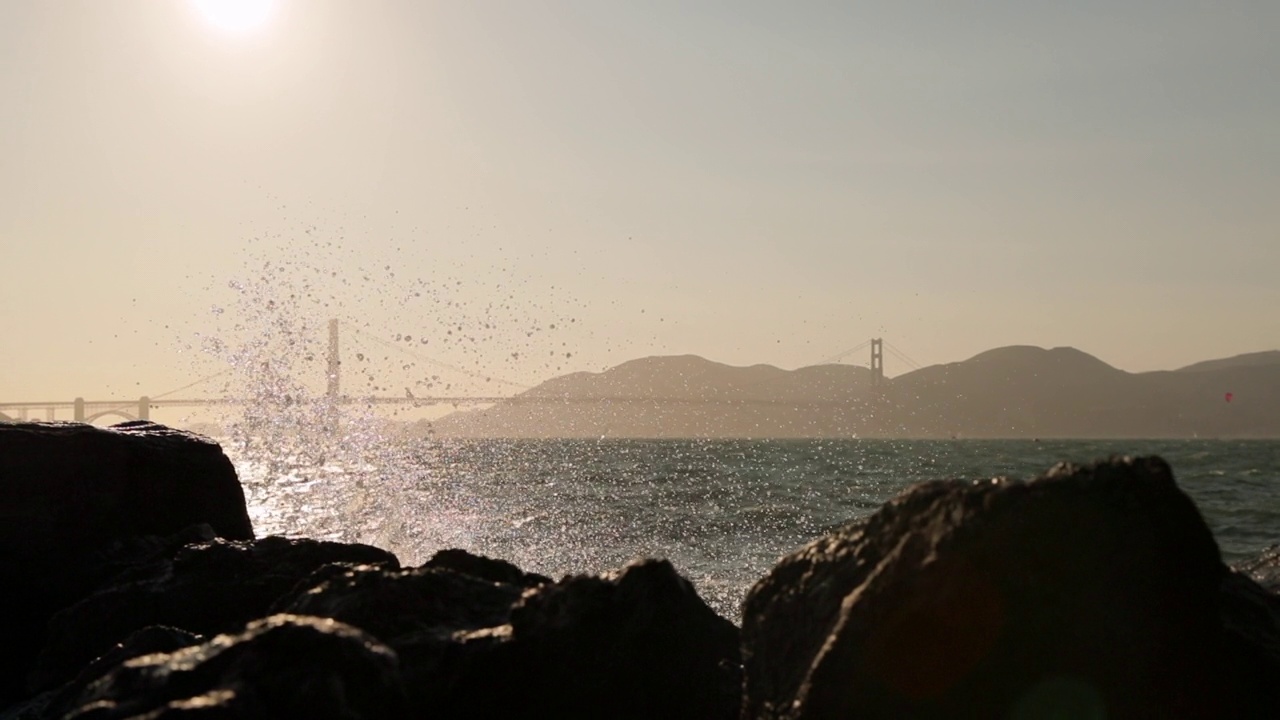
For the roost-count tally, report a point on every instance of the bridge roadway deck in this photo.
(418, 401)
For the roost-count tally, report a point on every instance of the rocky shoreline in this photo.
(135, 588)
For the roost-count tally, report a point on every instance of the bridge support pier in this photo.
(48, 414)
(79, 410)
(144, 408)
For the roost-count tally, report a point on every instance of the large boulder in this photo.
(1089, 592)
(69, 488)
(69, 491)
(282, 666)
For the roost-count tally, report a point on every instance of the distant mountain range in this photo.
(1009, 392)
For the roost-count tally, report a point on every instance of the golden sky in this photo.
(534, 188)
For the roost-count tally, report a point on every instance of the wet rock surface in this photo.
(278, 667)
(207, 588)
(59, 702)
(1090, 592)
(1263, 569)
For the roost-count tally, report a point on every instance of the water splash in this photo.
(312, 465)
(332, 466)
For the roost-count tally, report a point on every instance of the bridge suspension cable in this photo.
(903, 357)
(431, 360)
(125, 406)
(191, 385)
(842, 355)
(152, 398)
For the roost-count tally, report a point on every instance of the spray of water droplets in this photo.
(339, 465)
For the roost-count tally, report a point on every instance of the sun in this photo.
(237, 16)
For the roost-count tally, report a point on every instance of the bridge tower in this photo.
(334, 362)
(877, 361)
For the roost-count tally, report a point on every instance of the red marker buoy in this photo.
(1228, 396)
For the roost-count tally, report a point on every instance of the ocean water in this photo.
(722, 511)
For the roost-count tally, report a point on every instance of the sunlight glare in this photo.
(239, 16)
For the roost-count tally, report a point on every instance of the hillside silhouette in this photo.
(1009, 392)
(1267, 357)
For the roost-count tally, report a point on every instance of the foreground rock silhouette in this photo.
(376, 641)
(69, 491)
(1092, 592)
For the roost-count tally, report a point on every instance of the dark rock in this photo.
(206, 588)
(1264, 569)
(638, 643)
(68, 491)
(73, 580)
(147, 641)
(279, 667)
(399, 605)
(418, 612)
(70, 488)
(1089, 592)
(499, 571)
(33, 599)
(1251, 619)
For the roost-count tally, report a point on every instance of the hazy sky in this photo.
(748, 181)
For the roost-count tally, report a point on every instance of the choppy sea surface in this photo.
(722, 511)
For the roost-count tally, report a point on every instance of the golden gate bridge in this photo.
(83, 410)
